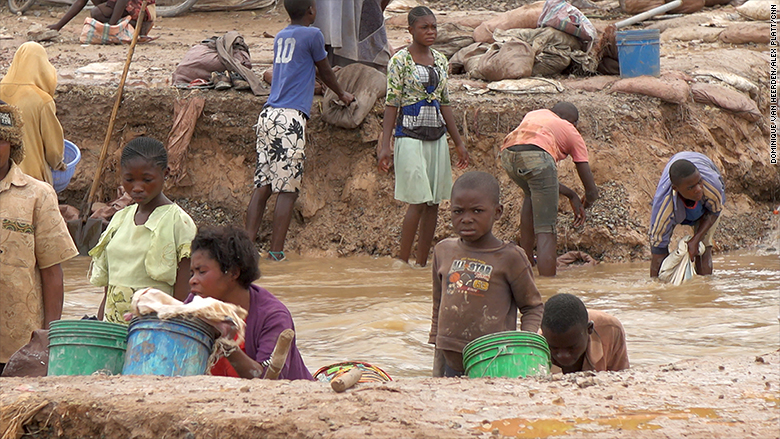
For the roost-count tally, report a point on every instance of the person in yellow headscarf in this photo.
(29, 85)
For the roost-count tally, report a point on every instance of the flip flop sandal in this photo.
(196, 84)
(147, 38)
(276, 256)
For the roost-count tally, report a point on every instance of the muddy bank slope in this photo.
(347, 207)
(704, 398)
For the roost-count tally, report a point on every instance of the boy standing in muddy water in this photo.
(281, 128)
(529, 156)
(34, 241)
(479, 281)
(691, 192)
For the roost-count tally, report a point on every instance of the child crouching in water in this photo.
(146, 244)
(479, 281)
(224, 265)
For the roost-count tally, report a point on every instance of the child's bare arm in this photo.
(383, 156)
(116, 14)
(329, 78)
(452, 129)
(74, 10)
(181, 289)
(53, 292)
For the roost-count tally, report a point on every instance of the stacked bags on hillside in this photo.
(538, 39)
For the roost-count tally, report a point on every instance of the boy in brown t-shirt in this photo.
(582, 339)
(479, 281)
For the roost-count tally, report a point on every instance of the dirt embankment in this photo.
(347, 207)
(703, 398)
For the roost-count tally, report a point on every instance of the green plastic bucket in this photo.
(83, 347)
(509, 354)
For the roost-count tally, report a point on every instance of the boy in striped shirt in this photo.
(691, 192)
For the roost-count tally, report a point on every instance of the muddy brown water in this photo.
(375, 310)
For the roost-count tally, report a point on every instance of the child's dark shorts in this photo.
(534, 170)
(281, 137)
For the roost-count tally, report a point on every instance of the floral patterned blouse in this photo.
(403, 91)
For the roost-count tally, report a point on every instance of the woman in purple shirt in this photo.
(224, 265)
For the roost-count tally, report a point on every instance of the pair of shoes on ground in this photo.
(225, 80)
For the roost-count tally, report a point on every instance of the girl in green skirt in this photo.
(417, 85)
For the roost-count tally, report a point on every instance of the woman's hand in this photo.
(463, 156)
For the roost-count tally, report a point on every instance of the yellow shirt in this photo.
(33, 235)
(29, 85)
(129, 257)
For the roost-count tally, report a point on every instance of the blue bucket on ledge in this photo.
(639, 52)
(71, 157)
(169, 347)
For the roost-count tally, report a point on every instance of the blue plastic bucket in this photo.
(639, 52)
(71, 157)
(170, 347)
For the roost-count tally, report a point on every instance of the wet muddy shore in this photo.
(702, 398)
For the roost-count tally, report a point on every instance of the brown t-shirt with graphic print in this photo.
(478, 292)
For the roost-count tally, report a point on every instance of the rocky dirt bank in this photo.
(703, 398)
(346, 206)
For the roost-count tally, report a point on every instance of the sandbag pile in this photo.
(524, 17)
(366, 84)
(451, 37)
(743, 33)
(519, 53)
(726, 98)
(668, 89)
(558, 14)
(688, 7)
(758, 10)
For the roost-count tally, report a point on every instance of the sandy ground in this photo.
(703, 398)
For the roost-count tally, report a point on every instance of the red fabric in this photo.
(223, 368)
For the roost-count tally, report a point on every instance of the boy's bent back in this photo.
(296, 50)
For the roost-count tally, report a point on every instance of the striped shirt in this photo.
(669, 209)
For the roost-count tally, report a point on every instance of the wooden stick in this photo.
(104, 151)
(347, 380)
(279, 355)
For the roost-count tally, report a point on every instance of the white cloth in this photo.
(678, 267)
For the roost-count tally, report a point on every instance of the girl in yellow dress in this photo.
(146, 244)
